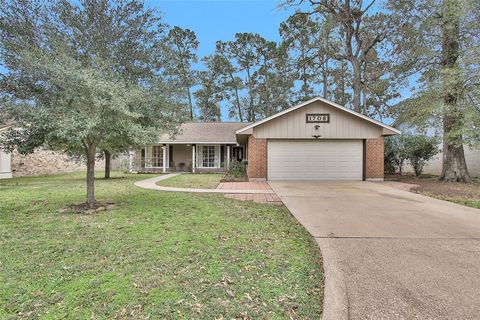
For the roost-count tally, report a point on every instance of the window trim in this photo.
(216, 155)
(149, 156)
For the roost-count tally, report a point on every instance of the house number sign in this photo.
(318, 117)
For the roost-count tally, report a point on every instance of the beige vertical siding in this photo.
(5, 165)
(293, 125)
(182, 154)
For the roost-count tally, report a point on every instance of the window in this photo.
(157, 156)
(208, 160)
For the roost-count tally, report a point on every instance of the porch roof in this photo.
(205, 132)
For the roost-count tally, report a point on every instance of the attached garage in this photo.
(316, 140)
(315, 160)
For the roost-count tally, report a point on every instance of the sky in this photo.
(213, 20)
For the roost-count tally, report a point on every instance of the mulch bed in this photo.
(429, 184)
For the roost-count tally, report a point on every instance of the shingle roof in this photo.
(205, 132)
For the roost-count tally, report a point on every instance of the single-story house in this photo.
(41, 162)
(315, 140)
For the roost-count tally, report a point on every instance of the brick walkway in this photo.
(257, 191)
(259, 198)
(254, 185)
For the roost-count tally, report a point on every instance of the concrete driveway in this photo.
(390, 254)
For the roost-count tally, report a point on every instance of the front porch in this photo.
(164, 158)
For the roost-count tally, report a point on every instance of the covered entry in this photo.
(315, 159)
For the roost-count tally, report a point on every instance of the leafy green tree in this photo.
(418, 150)
(437, 42)
(68, 95)
(395, 154)
(181, 52)
(358, 29)
(243, 53)
(123, 33)
(273, 78)
(341, 76)
(209, 96)
(298, 34)
(230, 82)
(308, 41)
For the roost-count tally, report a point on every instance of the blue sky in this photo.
(214, 20)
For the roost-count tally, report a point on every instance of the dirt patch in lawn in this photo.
(467, 194)
(86, 209)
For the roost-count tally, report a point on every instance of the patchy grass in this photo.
(157, 255)
(193, 180)
(467, 194)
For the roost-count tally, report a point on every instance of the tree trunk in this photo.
(325, 80)
(454, 166)
(189, 94)
(364, 100)
(343, 84)
(239, 106)
(108, 157)
(251, 114)
(357, 84)
(91, 153)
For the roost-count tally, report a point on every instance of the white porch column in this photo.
(193, 157)
(164, 149)
(228, 156)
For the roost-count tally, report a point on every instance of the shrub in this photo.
(419, 149)
(395, 154)
(237, 169)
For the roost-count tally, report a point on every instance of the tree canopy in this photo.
(82, 77)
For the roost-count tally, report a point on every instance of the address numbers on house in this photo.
(318, 117)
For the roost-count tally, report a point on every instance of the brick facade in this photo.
(374, 159)
(257, 158)
(43, 162)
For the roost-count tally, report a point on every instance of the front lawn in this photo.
(193, 180)
(158, 255)
(467, 194)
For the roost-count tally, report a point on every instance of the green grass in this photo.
(193, 180)
(158, 255)
(466, 202)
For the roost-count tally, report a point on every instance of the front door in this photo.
(237, 153)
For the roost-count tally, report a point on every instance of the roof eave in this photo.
(196, 142)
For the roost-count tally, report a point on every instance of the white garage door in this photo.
(315, 160)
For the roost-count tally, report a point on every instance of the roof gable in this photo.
(387, 130)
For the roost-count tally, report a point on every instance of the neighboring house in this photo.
(41, 162)
(315, 140)
(46, 162)
(5, 159)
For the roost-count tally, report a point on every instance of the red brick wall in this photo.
(257, 158)
(374, 158)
